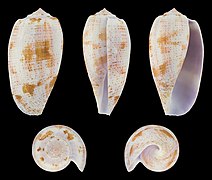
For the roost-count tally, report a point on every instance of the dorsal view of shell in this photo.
(106, 46)
(34, 58)
(176, 57)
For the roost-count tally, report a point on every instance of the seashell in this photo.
(176, 58)
(34, 57)
(55, 147)
(156, 147)
(106, 46)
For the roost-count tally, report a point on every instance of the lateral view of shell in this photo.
(156, 147)
(34, 57)
(176, 58)
(56, 146)
(106, 46)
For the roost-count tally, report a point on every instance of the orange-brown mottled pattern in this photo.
(102, 36)
(166, 39)
(161, 70)
(101, 61)
(137, 135)
(173, 158)
(48, 87)
(44, 136)
(42, 158)
(166, 133)
(123, 45)
(28, 88)
(11, 45)
(94, 46)
(28, 53)
(43, 52)
(69, 135)
(12, 69)
(54, 18)
(117, 60)
(168, 42)
(133, 148)
(35, 20)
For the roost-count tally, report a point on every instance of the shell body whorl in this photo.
(34, 58)
(176, 58)
(106, 46)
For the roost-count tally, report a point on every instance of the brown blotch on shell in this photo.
(123, 45)
(59, 126)
(69, 135)
(42, 158)
(184, 47)
(39, 83)
(161, 70)
(102, 60)
(102, 36)
(136, 136)
(43, 52)
(53, 18)
(28, 53)
(116, 98)
(52, 82)
(166, 39)
(86, 33)
(39, 149)
(131, 150)
(166, 133)
(96, 46)
(47, 134)
(173, 158)
(33, 20)
(28, 88)
(11, 45)
(18, 97)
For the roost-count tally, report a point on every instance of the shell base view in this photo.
(156, 147)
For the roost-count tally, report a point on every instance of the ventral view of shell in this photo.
(106, 46)
(55, 147)
(34, 58)
(156, 147)
(176, 57)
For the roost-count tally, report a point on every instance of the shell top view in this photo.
(176, 58)
(56, 146)
(34, 58)
(156, 147)
(106, 46)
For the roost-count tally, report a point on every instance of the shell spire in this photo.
(104, 12)
(55, 147)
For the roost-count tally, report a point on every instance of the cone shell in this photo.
(34, 57)
(156, 147)
(55, 147)
(106, 45)
(176, 58)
